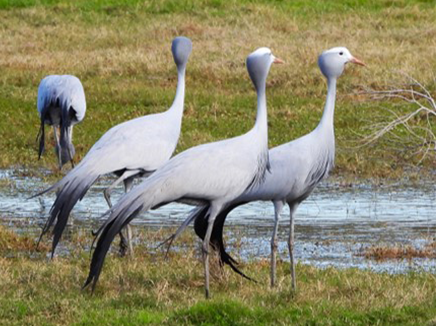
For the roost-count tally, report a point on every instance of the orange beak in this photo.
(278, 60)
(357, 61)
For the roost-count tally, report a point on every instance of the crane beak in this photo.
(278, 60)
(357, 61)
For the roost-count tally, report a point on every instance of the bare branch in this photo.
(414, 131)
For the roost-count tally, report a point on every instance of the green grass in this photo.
(121, 52)
(149, 290)
(183, 6)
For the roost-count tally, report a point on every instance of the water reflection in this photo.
(332, 226)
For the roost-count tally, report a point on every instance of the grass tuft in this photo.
(153, 291)
(10, 243)
(399, 252)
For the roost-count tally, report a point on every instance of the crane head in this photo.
(181, 48)
(258, 65)
(332, 62)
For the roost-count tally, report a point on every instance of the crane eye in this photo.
(341, 53)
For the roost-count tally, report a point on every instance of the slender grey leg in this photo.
(213, 212)
(124, 243)
(107, 192)
(278, 206)
(292, 208)
(129, 239)
(128, 184)
(70, 131)
(58, 147)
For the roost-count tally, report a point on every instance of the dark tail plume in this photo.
(191, 217)
(106, 236)
(216, 239)
(40, 138)
(66, 143)
(73, 190)
(143, 197)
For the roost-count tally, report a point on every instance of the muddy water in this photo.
(332, 227)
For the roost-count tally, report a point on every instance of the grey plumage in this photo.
(296, 169)
(216, 173)
(67, 196)
(61, 104)
(131, 149)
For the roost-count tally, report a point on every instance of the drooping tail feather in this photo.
(57, 185)
(40, 138)
(64, 143)
(115, 223)
(142, 197)
(65, 135)
(191, 217)
(71, 190)
(216, 239)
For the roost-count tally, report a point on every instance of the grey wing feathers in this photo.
(107, 234)
(43, 105)
(51, 188)
(64, 93)
(320, 170)
(142, 197)
(72, 189)
(127, 208)
(263, 167)
(40, 138)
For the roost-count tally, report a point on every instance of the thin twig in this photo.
(421, 135)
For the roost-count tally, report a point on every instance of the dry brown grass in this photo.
(37, 41)
(11, 243)
(36, 291)
(123, 59)
(379, 252)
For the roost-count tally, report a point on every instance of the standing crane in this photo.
(297, 168)
(131, 149)
(61, 104)
(213, 174)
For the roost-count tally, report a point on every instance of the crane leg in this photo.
(70, 131)
(127, 178)
(213, 212)
(128, 184)
(58, 147)
(292, 209)
(107, 192)
(278, 206)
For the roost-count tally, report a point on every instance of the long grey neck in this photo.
(327, 120)
(178, 104)
(261, 116)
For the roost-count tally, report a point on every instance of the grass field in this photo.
(120, 49)
(149, 290)
(121, 52)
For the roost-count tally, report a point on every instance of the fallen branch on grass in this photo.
(414, 131)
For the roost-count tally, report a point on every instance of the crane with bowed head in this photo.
(131, 149)
(61, 104)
